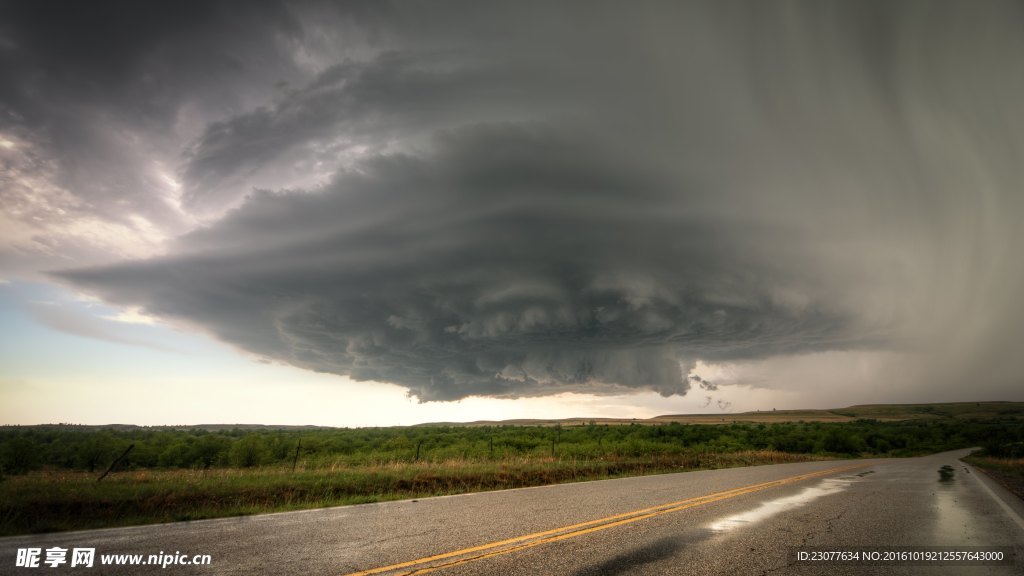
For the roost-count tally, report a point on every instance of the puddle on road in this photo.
(953, 524)
(773, 507)
(952, 521)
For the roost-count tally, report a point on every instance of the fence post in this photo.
(116, 460)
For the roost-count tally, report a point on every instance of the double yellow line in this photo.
(475, 553)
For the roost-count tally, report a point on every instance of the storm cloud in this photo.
(531, 199)
(511, 260)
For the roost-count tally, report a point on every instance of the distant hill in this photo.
(976, 410)
(887, 412)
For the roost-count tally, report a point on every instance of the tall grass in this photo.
(62, 500)
(1009, 472)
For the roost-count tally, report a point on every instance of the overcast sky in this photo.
(372, 213)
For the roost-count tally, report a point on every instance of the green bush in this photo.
(249, 451)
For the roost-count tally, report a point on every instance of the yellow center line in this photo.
(456, 557)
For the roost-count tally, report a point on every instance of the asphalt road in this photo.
(737, 521)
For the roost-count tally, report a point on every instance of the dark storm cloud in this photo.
(513, 260)
(349, 105)
(105, 92)
(136, 61)
(540, 198)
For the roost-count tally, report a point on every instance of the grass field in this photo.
(48, 501)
